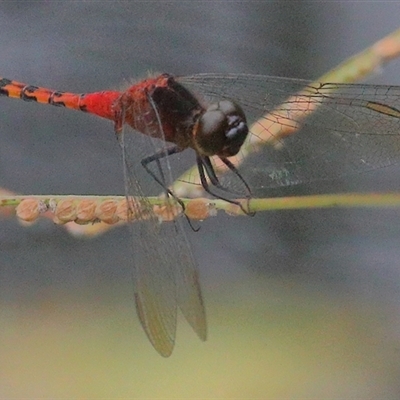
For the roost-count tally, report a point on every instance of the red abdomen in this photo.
(158, 107)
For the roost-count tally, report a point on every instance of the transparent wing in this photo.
(317, 131)
(165, 273)
(154, 284)
(190, 299)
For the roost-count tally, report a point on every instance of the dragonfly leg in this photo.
(156, 157)
(205, 167)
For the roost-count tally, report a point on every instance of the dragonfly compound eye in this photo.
(222, 129)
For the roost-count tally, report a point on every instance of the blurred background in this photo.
(300, 304)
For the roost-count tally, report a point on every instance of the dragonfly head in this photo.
(221, 129)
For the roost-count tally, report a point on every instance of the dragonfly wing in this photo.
(180, 257)
(161, 287)
(315, 131)
(190, 299)
(155, 291)
(154, 275)
(165, 270)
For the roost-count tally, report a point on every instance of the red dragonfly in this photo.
(345, 126)
(165, 271)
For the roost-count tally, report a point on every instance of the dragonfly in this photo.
(307, 131)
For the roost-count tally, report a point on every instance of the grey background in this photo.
(346, 256)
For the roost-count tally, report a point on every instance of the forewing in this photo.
(165, 274)
(314, 131)
(190, 298)
(155, 292)
(180, 256)
(154, 281)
